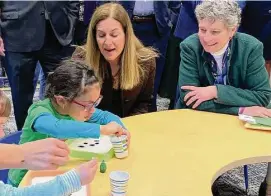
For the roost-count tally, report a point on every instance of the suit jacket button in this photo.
(269, 11)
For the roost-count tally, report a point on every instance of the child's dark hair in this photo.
(69, 80)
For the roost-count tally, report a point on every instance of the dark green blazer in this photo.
(247, 78)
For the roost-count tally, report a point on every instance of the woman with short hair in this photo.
(221, 70)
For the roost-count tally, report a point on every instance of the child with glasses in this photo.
(68, 110)
(34, 155)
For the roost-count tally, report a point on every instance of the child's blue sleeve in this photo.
(65, 129)
(104, 117)
(62, 185)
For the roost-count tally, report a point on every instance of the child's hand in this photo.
(126, 132)
(111, 128)
(87, 171)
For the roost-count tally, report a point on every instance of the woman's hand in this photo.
(197, 95)
(257, 111)
(43, 154)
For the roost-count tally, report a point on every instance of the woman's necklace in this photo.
(117, 73)
(116, 79)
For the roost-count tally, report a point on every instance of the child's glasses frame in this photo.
(89, 106)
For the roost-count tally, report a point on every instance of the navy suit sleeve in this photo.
(242, 4)
(73, 13)
(174, 8)
(73, 9)
(129, 7)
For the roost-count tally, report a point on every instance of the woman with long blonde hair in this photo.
(125, 67)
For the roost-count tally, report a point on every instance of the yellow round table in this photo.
(181, 152)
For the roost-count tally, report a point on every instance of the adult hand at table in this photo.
(87, 171)
(257, 111)
(48, 153)
(2, 48)
(197, 95)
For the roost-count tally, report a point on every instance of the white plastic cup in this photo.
(120, 146)
(119, 182)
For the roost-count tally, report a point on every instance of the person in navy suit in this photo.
(256, 21)
(33, 31)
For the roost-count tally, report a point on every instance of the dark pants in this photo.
(39, 76)
(170, 76)
(80, 33)
(20, 68)
(148, 33)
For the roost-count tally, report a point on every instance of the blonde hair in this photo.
(5, 105)
(134, 54)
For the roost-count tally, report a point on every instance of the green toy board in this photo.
(88, 148)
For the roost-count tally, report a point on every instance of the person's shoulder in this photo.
(245, 40)
(148, 64)
(40, 107)
(147, 57)
(151, 62)
(191, 45)
(192, 42)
